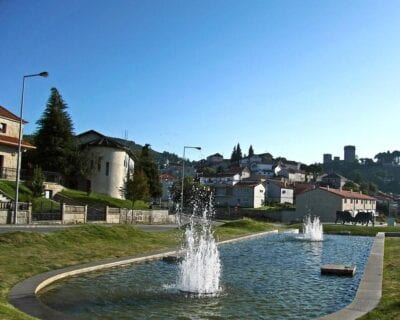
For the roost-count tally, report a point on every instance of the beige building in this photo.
(324, 202)
(9, 135)
(110, 163)
(245, 194)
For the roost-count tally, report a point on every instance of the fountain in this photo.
(312, 229)
(199, 271)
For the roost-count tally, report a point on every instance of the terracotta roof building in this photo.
(9, 138)
(324, 202)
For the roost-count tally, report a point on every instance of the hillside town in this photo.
(258, 181)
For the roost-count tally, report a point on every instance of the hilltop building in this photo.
(349, 153)
(327, 158)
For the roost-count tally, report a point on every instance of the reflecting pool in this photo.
(270, 277)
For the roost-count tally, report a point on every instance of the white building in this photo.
(167, 180)
(245, 194)
(231, 177)
(278, 192)
(110, 163)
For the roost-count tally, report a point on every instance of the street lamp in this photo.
(183, 172)
(41, 74)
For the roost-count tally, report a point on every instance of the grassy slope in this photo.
(96, 199)
(389, 306)
(25, 254)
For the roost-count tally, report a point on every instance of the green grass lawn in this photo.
(96, 199)
(8, 187)
(389, 306)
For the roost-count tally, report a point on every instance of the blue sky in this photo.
(294, 78)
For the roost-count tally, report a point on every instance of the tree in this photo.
(54, 139)
(313, 169)
(37, 183)
(195, 195)
(150, 169)
(238, 152)
(138, 189)
(234, 155)
(351, 186)
(251, 151)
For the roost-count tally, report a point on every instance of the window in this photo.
(91, 164)
(107, 168)
(99, 164)
(3, 127)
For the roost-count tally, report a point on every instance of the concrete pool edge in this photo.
(23, 295)
(369, 291)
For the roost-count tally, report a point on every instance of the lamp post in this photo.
(41, 74)
(183, 172)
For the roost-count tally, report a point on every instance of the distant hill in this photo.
(386, 177)
(160, 157)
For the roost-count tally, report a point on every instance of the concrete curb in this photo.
(370, 289)
(23, 296)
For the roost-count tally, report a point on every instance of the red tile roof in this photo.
(11, 141)
(4, 113)
(348, 194)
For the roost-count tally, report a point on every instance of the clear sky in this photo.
(294, 78)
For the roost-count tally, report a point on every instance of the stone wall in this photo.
(120, 215)
(24, 216)
(73, 214)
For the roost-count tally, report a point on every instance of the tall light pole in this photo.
(41, 74)
(183, 172)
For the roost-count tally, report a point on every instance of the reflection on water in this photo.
(274, 277)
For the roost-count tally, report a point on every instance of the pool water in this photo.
(270, 277)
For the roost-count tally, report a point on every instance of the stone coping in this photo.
(370, 288)
(23, 296)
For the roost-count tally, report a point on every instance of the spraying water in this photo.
(200, 269)
(312, 229)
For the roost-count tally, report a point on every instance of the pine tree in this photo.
(251, 151)
(139, 186)
(150, 169)
(54, 139)
(238, 152)
(233, 156)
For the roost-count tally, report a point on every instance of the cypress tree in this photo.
(140, 186)
(150, 169)
(238, 152)
(251, 151)
(234, 154)
(54, 138)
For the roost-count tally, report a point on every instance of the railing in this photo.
(11, 174)
(11, 205)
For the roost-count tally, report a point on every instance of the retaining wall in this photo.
(73, 214)
(120, 215)
(23, 216)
